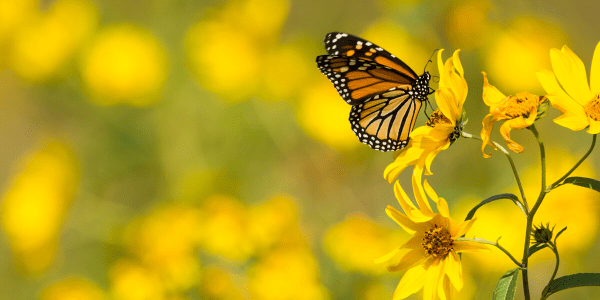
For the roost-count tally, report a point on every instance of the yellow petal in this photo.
(564, 70)
(411, 282)
(406, 223)
(447, 104)
(420, 195)
(594, 126)
(579, 73)
(573, 122)
(433, 279)
(403, 160)
(431, 156)
(387, 256)
(454, 270)
(411, 259)
(445, 290)
(595, 71)
(430, 192)
(505, 132)
(442, 207)
(468, 246)
(457, 63)
(557, 96)
(491, 95)
(486, 131)
(463, 228)
(440, 67)
(402, 197)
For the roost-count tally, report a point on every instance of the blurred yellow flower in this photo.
(270, 220)
(324, 117)
(519, 111)
(391, 37)
(41, 48)
(259, 18)
(129, 281)
(578, 101)
(227, 50)
(35, 205)
(167, 233)
(226, 228)
(285, 72)
(73, 288)
(432, 262)
(514, 55)
(289, 273)
(217, 284)
(467, 24)
(13, 15)
(444, 126)
(125, 64)
(356, 241)
(166, 242)
(225, 59)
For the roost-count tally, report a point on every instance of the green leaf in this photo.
(571, 281)
(535, 248)
(491, 199)
(506, 286)
(584, 182)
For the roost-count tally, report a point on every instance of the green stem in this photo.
(559, 181)
(555, 250)
(495, 244)
(538, 202)
(512, 165)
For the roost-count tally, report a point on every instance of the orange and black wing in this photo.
(357, 79)
(385, 121)
(344, 44)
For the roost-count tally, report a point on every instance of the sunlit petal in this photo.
(563, 68)
(463, 228)
(454, 270)
(406, 223)
(594, 126)
(505, 132)
(411, 259)
(557, 96)
(435, 273)
(595, 71)
(468, 246)
(491, 95)
(572, 121)
(411, 282)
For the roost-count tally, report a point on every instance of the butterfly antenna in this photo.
(428, 61)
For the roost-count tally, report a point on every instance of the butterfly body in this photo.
(386, 95)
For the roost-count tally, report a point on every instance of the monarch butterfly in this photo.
(385, 94)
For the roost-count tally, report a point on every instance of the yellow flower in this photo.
(41, 49)
(125, 64)
(35, 206)
(432, 262)
(73, 288)
(444, 126)
(520, 111)
(579, 103)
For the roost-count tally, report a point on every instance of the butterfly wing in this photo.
(356, 79)
(339, 43)
(384, 121)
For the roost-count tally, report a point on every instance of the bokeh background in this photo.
(177, 149)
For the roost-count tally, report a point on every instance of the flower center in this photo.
(437, 117)
(437, 242)
(519, 105)
(592, 108)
